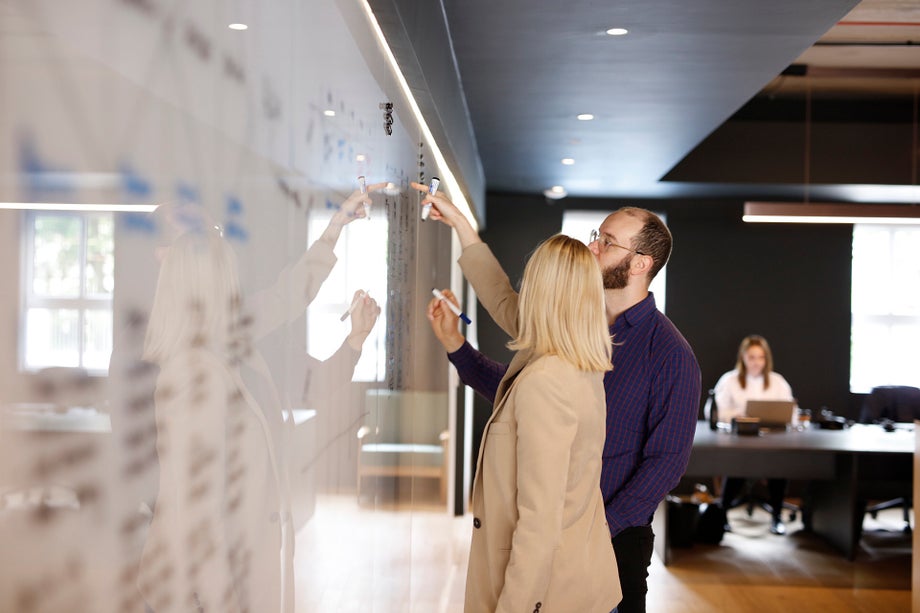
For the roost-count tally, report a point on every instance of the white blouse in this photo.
(731, 398)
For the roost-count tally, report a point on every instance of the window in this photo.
(68, 282)
(578, 224)
(362, 264)
(885, 306)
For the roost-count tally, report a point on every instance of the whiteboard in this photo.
(179, 475)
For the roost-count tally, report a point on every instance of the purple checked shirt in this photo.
(653, 396)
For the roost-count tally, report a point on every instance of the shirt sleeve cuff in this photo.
(462, 356)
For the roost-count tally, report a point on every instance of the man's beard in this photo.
(616, 277)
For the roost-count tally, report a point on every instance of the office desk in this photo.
(844, 467)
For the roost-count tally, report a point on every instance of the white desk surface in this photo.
(44, 417)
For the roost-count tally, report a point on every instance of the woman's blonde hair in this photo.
(561, 308)
(197, 298)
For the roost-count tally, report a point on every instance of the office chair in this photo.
(891, 403)
(751, 496)
(899, 403)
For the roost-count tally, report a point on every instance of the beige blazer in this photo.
(540, 537)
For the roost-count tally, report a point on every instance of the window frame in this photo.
(896, 316)
(81, 303)
(335, 297)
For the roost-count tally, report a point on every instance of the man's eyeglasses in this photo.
(605, 243)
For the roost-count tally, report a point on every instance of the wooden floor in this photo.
(754, 570)
(388, 557)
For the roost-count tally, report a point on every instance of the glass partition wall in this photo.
(218, 389)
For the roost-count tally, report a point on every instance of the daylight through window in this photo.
(68, 283)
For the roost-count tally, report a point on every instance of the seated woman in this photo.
(752, 379)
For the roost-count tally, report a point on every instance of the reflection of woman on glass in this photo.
(540, 538)
(221, 537)
(752, 379)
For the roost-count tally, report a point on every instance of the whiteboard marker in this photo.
(362, 184)
(432, 189)
(453, 307)
(354, 305)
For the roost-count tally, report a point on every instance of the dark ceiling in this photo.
(676, 99)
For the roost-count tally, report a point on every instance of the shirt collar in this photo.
(638, 312)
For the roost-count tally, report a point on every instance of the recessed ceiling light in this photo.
(329, 113)
(555, 192)
(237, 26)
(617, 31)
(568, 161)
(360, 157)
(584, 117)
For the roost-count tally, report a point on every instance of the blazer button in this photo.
(476, 522)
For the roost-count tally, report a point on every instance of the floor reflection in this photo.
(386, 555)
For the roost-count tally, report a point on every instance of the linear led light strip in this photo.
(60, 206)
(446, 175)
(841, 213)
(820, 219)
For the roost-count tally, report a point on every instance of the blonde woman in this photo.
(222, 534)
(540, 537)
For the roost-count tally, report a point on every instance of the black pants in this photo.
(633, 548)
(777, 487)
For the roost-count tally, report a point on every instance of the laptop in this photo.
(773, 414)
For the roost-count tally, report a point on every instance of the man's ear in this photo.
(640, 264)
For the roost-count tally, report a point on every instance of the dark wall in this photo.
(847, 141)
(787, 282)
(726, 279)
(515, 225)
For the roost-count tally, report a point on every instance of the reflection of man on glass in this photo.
(221, 538)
